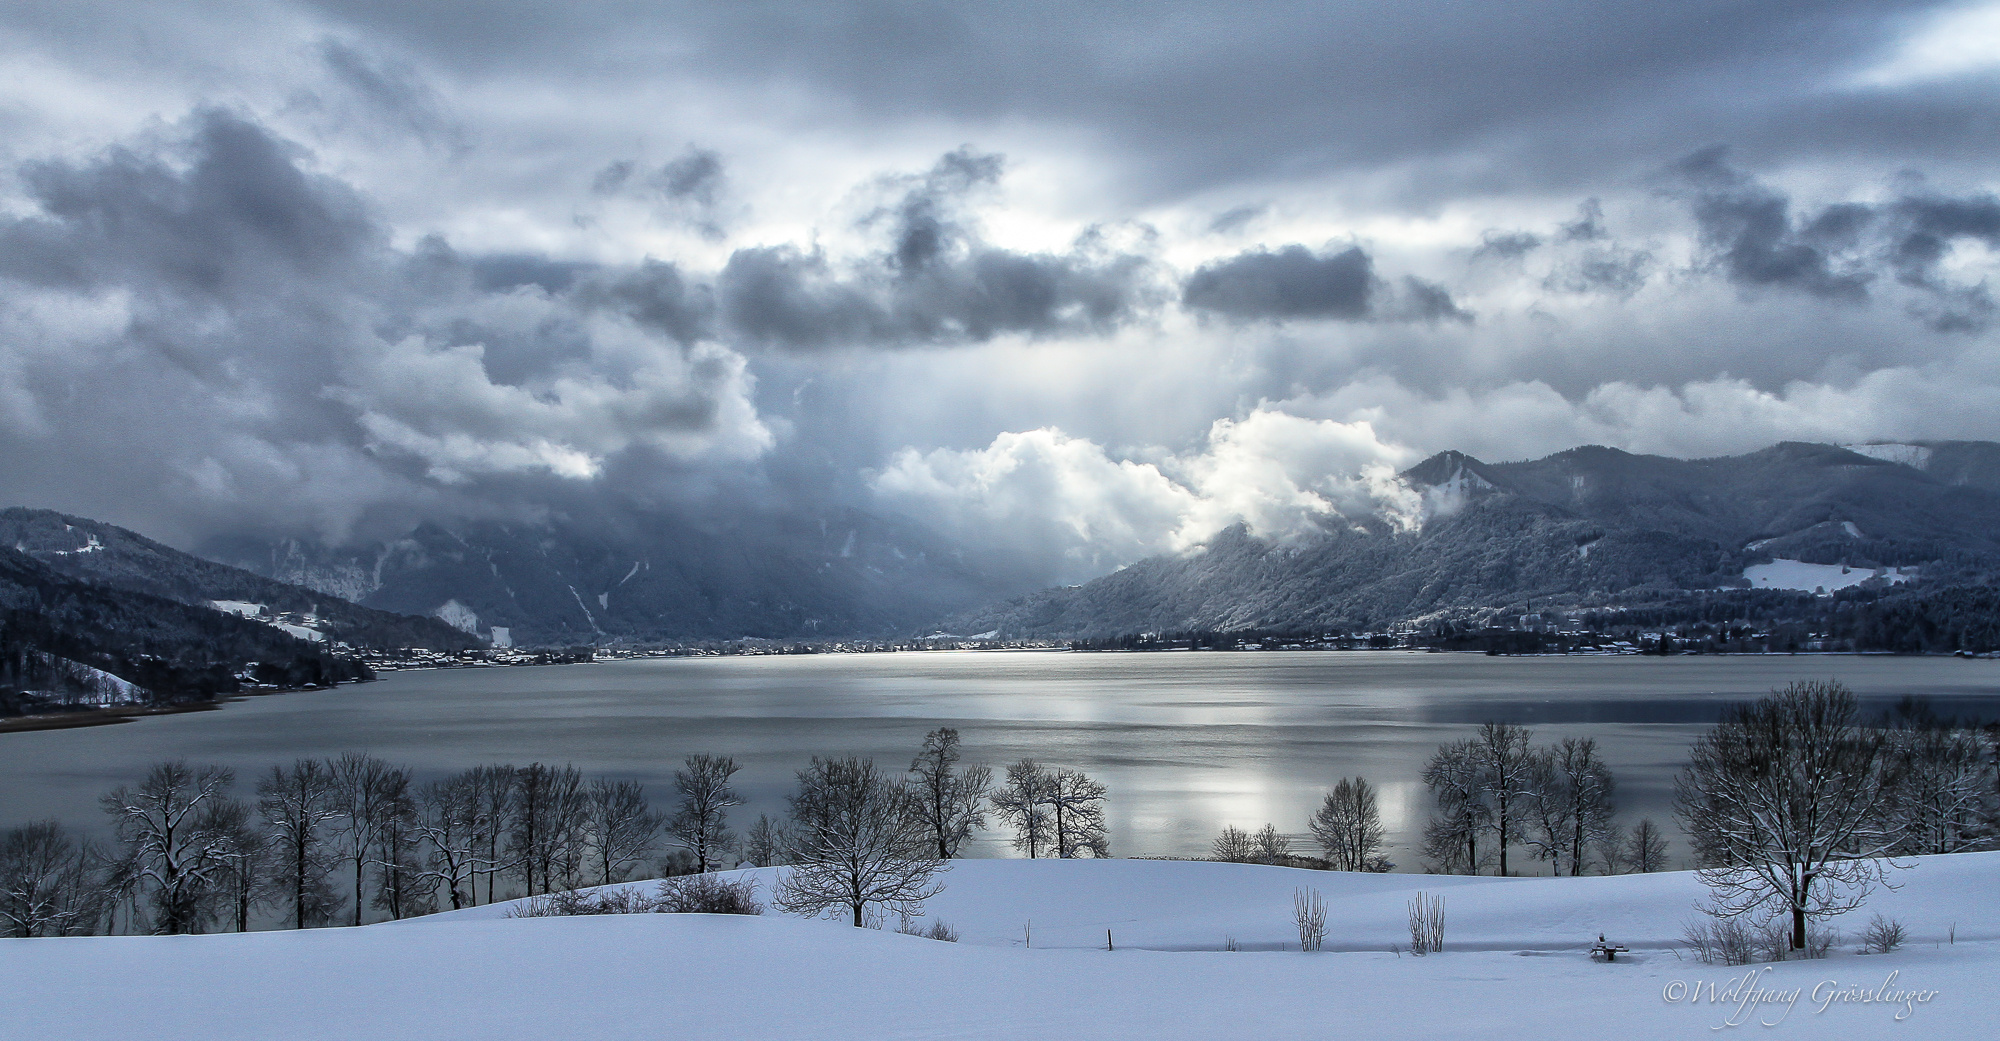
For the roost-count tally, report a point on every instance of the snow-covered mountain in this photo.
(1591, 526)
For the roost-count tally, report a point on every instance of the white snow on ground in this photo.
(1797, 574)
(1909, 455)
(239, 607)
(303, 633)
(458, 616)
(1513, 967)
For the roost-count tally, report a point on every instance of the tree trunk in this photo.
(1798, 928)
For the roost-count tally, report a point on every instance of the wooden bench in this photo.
(1606, 951)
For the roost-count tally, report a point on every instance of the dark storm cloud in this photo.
(242, 220)
(253, 327)
(689, 189)
(394, 89)
(1752, 234)
(936, 281)
(1294, 283)
(658, 296)
(1616, 270)
(1510, 245)
(1748, 232)
(1235, 219)
(1551, 92)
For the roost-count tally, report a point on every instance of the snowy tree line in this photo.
(354, 838)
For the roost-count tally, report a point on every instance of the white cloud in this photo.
(1069, 507)
(1964, 40)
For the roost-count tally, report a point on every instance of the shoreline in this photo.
(116, 714)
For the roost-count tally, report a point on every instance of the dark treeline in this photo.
(1943, 620)
(354, 839)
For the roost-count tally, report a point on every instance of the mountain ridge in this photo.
(1588, 527)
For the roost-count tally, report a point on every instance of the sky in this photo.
(1078, 283)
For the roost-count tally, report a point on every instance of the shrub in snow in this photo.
(1426, 925)
(1734, 941)
(1882, 935)
(570, 904)
(1309, 913)
(707, 894)
(936, 931)
(1721, 941)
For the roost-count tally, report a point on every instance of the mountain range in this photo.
(648, 579)
(1589, 527)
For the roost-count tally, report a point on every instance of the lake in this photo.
(1186, 742)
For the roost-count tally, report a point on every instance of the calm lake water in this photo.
(1187, 743)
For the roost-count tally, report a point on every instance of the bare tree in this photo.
(299, 806)
(765, 843)
(1234, 846)
(1569, 802)
(623, 830)
(403, 886)
(856, 842)
(1022, 802)
(700, 826)
(1076, 806)
(545, 842)
(447, 825)
(492, 796)
(365, 795)
(1451, 837)
(246, 853)
(171, 854)
(1783, 801)
(1349, 826)
(46, 883)
(1646, 848)
(1309, 914)
(1943, 799)
(1273, 846)
(952, 804)
(1501, 753)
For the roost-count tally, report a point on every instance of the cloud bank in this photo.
(1084, 283)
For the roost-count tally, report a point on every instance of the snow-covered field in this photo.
(1514, 967)
(1783, 573)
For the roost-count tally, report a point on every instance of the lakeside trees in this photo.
(951, 803)
(856, 841)
(189, 858)
(1783, 801)
(1348, 826)
(1059, 812)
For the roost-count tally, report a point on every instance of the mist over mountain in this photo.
(649, 579)
(1590, 527)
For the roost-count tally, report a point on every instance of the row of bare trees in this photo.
(1495, 793)
(355, 837)
(346, 839)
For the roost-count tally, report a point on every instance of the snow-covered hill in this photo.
(1514, 967)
